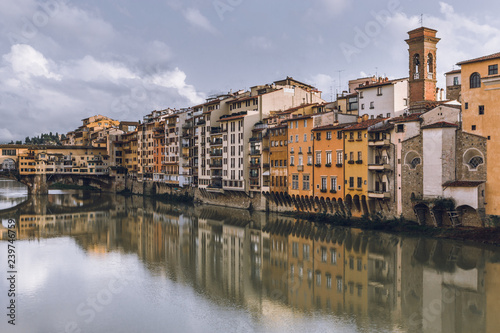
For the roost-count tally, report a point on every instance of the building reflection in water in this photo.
(277, 263)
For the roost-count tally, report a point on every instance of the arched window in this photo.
(475, 80)
(475, 162)
(413, 159)
(414, 162)
(416, 64)
(473, 158)
(430, 65)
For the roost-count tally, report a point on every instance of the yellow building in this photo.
(356, 165)
(63, 160)
(480, 116)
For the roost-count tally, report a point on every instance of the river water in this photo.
(91, 262)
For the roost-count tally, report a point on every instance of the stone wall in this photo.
(235, 199)
(412, 179)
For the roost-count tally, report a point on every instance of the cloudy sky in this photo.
(64, 60)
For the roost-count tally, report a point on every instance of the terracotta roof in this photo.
(295, 108)
(484, 58)
(463, 183)
(382, 128)
(364, 124)
(298, 118)
(454, 71)
(331, 127)
(378, 84)
(404, 119)
(232, 118)
(440, 124)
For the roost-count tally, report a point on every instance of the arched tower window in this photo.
(416, 65)
(475, 80)
(430, 66)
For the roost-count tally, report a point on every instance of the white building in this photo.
(386, 98)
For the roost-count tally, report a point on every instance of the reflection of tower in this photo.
(422, 64)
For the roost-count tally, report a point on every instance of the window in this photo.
(339, 284)
(323, 185)
(305, 137)
(475, 80)
(414, 162)
(296, 138)
(339, 157)
(292, 160)
(295, 182)
(492, 69)
(305, 182)
(360, 182)
(329, 157)
(351, 263)
(301, 160)
(362, 106)
(360, 156)
(400, 128)
(318, 279)
(333, 184)
(318, 136)
(309, 160)
(473, 127)
(305, 252)
(481, 109)
(328, 135)
(360, 94)
(328, 281)
(466, 105)
(323, 254)
(379, 91)
(359, 265)
(318, 157)
(360, 136)
(295, 249)
(339, 135)
(372, 106)
(475, 162)
(351, 182)
(351, 156)
(333, 257)
(455, 81)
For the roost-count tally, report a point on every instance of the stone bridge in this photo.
(40, 183)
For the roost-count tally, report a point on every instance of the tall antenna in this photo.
(421, 20)
(340, 81)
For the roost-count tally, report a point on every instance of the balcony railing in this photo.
(379, 194)
(300, 168)
(254, 152)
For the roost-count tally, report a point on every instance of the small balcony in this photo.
(254, 152)
(300, 168)
(379, 167)
(379, 195)
(379, 143)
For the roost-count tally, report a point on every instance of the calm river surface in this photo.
(90, 262)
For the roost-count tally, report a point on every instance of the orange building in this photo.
(356, 168)
(480, 115)
(328, 164)
(300, 145)
(278, 159)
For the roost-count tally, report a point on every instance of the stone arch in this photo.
(348, 202)
(475, 80)
(430, 65)
(469, 216)
(416, 65)
(423, 214)
(412, 159)
(357, 203)
(364, 205)
(473, 158)
(8, 164)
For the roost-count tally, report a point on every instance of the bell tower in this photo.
(422, 60)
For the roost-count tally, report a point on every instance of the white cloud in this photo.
(196, 19)
(177, 79)
(27, 62)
